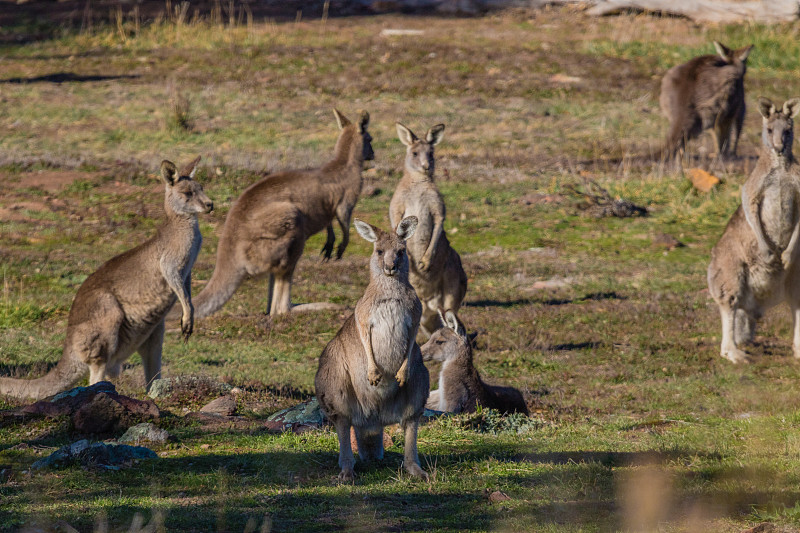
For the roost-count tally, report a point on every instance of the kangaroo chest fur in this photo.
(418, 203)
(779, 208)
(390, 324)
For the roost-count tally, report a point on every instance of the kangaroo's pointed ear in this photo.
(791, 107)
(743, 53)
(367, 231)
(765, 107)
(435, 134)
(191, 168)
(723, 51)
(363, 121)
(169, 172)
(407, 227)
(441, 316)
(454, 323)
(405, 135)
(471, 338)
(341, 120)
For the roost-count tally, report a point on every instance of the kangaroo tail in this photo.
(66, 373)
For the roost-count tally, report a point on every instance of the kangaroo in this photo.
(120, 309)
(754, 265)
(371, 373)
(267, 227)
(436, 272)
(461, 389)
(706, 92)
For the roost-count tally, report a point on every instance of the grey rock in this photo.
(161, 388)
(145, 432)
(97, 455)
(307, 413)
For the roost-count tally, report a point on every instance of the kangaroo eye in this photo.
(769, 130)
(415, 154)
(380, 252)
(188, 194)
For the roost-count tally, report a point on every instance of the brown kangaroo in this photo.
(120, 309)
(461, 389)
(267, 227)
(754, 265)
(706, 92)
(371, 373)
(436, 272)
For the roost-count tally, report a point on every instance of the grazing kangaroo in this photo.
(706, 92)
(267, 227)
(436, 272)
(754, 265)
(371, 374)
(461, 389)
(120, 309)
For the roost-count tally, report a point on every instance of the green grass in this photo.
(637, 423)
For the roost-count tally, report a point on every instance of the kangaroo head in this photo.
(389, 256)
(184, 196)
(448, 342)
(419, 153)
(360, 132)
(737, 58)
(777, 133)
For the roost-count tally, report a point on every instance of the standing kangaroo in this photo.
(754, 265)
(371, 374)
(706, 92)
(120, 309)
(461, 389)
(436, 272)
(267, 227)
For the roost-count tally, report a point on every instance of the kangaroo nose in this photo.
(426, 165)
(389, 271)
(209, 207)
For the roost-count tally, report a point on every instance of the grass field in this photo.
(637, 423)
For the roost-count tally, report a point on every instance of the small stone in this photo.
(97, 455)
(145, 432)
(498, 496)
(307, 413)
(225, 406)
(552, 283)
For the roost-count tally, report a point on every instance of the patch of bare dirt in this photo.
(16, 211)
(51, 180)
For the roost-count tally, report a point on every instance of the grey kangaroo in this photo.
(754, 265)
(461, 389)
(706, 92)
(436, 271)
(120, 309)
(267, 227)
(371, 373)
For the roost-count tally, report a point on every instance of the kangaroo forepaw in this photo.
(187, 327)
(374, 377)
(786, 259)
(401, 377)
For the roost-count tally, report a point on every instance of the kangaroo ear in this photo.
(471, 338)
(723, 51)
(363, 121)
(191, 168)
(743, 53)
(765, 107)
(341, 120)
(441, 316)
(435, 134)
(407, 227)
(791, 107)
(169, 172)
(405, 135)
(367, 231)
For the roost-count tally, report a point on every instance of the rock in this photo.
(667, 241)
(498, 496)
(298, 419)
(145, 432)
(225, 406)
(95, 409)
(109, 413)
(702, 180)
(161, 388)
(553, 283)
(97, 455)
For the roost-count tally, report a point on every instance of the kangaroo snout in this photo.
(209, 206)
